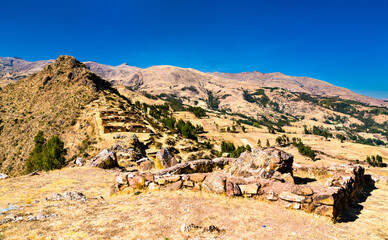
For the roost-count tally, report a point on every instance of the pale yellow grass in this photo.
(160, 214)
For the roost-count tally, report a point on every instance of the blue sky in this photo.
(341, 42)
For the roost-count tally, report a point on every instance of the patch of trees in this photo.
(304, 149)
(212, 101)
(320, 131)
(283, 140)
(375, 161)
(46, 155)
(191, 88)
(197, 111)
(229, 147)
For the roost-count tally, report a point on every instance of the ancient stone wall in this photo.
(210, 176)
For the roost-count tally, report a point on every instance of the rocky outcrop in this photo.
(262, 163)
(105, 159)
(166, 158)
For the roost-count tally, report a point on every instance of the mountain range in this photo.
(156, 78)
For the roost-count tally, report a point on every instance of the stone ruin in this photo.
(265, 174)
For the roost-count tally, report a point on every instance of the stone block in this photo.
(291, 197)
(249, 189)
(213, 184)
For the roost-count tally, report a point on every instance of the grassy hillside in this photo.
(57, 101)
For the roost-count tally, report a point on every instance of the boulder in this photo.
(3, 176)
(105, 159)
(214, 184)
(166, 158)
(262, 163)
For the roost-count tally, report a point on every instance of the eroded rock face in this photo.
(105, 159)
(262, 163)
(166, 158)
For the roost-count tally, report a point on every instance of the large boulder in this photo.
(214, 184)
(262, 163)
(105, 159)
(166, 158)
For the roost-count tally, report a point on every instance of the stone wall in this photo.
(212, 176)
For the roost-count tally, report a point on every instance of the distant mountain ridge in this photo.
(13, 68)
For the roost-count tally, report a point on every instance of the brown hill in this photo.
(57, 100)
(300, 84)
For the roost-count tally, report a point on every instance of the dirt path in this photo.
(160, 215)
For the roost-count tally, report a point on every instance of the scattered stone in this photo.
(166, 158)
(212, 229)
(3, 176)
(105, 159)
(188, 228)
(80, 162)
(226, 155)
(214, 184)
(74, 196)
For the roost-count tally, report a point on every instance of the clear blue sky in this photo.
(341, 42)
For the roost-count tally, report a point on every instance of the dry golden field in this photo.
(161, 214)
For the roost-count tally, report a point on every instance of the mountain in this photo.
(300, 84)
(61, 100)
(15, 68)
(116, 75)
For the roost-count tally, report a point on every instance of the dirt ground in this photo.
(163, 214)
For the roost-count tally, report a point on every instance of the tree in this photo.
(54, 154)
(243, 128)
(268, 145)
(46, 156)
(258, 142)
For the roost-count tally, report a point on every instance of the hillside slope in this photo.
(300, 84)
(57, 100)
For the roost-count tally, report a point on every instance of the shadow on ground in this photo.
(355, 208)
(300, 180)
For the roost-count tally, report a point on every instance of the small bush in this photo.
(46, 156)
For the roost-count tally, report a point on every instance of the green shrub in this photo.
(46, 156)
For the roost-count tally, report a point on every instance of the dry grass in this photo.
(160, 214)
